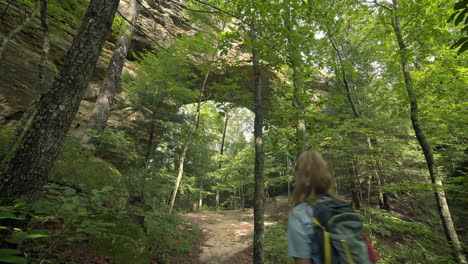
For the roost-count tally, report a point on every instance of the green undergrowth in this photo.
(84, 211)
(130, 245)
(276, 244)
(172, 240)
(59, 220)
(405, 241)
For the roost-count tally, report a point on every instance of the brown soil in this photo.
(227, 235)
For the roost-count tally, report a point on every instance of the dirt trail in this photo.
(229, 232)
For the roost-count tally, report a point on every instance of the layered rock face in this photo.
(159, 22)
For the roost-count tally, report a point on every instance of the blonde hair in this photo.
(312, 178)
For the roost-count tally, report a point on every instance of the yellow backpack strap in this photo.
(317, 223)
(347, 251)
(326, 241)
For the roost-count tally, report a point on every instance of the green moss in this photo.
(5, 135)
(76, 166)
(128, 243)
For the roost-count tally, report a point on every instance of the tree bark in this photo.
(200, 197)
(26, 167)
(301, 134)
(149, 146)
(293, 63)
(356, 190)
(439, 192)
(242, 197)
(187, 145)
(259, 193)
(221, 152)
(344, 76)
(102, 108)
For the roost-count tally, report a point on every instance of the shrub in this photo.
(276, 244)
(170, 237)
(58, 220)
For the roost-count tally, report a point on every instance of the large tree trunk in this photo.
(294, 62)
(187, 145)
(106, 95)
(301, 134)
(439, 192)
(259, 193)
(26, 167)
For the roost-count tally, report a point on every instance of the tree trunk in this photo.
(187, 145)
(301, 134)
(221, 152)
(26, 167)
(242, 197)
(344, 76)
(294, 64)
(200, 197)
(108, 89)
(356, 190)
(259, 193)
(439, 192)
(384, 201)
(150, 144)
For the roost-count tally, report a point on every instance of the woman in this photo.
(312, 180)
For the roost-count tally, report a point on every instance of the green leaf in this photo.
(8, 252)
(465, 29)
(450, 19)
(69, 192)
(13, 259)
(33, 236)
(460, 17)
(459, 42)
(463, 48)
(107, 188)
(68, 206)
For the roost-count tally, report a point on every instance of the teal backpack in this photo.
(340, 232)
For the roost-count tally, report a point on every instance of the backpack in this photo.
(341, 233)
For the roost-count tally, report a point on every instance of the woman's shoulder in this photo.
(302, 210)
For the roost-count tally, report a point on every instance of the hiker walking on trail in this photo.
(322, 229)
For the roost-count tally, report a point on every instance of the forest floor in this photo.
(227, 236)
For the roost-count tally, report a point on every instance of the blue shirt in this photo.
(301, 232)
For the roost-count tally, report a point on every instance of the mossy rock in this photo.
(77, 166)
(90, 172)
(128, 243)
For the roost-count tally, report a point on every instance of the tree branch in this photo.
(383, 6)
